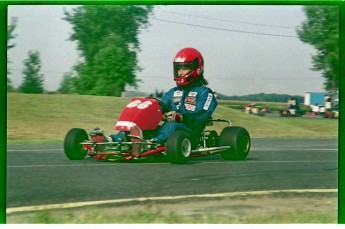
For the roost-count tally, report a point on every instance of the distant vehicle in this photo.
(332, 113)
(293, 109)
(289, 113)
(255, 110)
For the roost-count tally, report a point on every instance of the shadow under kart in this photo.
(139, 121)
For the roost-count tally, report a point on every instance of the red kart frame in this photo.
(139, 120)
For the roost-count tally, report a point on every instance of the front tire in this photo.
(73, 149)
(179, 147)
(239, 141)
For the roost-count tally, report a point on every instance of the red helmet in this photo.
(191, 59)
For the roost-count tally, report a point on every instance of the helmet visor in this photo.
(182, 69)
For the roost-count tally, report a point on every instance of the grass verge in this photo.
(46, 118)
(270, 209)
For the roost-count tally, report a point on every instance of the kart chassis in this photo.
(138, 148)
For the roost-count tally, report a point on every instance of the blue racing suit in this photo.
(195, 103)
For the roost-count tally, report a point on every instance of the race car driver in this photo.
(191, 102)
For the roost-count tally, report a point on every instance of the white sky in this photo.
(239, 58)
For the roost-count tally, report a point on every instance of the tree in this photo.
(68, 84)
(33, 80)
(10, 36)
(321, 30)
(107, 38)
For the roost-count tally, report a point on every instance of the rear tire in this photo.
(179, 147)
(72, 147)
(238, 139)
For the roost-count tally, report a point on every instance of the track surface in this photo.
(39, 175)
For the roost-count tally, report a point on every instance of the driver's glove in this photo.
(172, 116)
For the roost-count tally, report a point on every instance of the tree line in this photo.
(107, 41)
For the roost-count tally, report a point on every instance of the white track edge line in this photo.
(227, 194)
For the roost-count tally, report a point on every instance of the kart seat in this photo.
(197, 131)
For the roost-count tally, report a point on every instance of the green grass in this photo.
(46, 118)
(141, 217)
(154, 215)
(278, 208)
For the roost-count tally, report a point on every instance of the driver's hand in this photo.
(172, 116)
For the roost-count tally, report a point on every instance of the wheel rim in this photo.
(186, 147)
(245, 143)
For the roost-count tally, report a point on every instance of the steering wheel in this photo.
(165, 108)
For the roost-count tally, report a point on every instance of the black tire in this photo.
(238, 139)
(179, 147)
(72, 147)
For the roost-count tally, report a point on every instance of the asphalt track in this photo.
(42, 175)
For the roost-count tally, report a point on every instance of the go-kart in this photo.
(290, 113)
(139, 121)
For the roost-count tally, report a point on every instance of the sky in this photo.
(247, 49)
